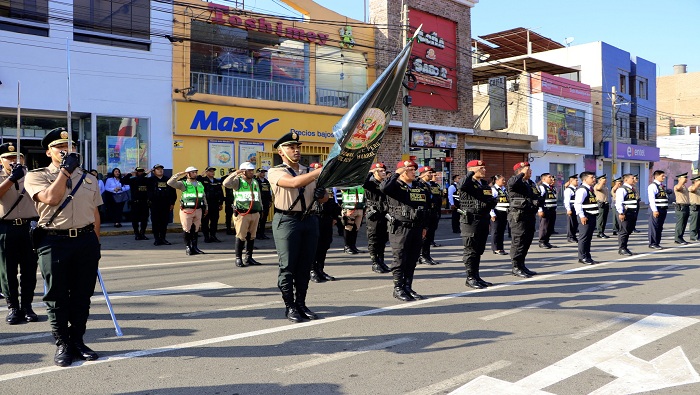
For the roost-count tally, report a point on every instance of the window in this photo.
(623, 125)
(642, 88)
(124, 23)
(341, 77)
(642, 129)
(25, 16)
(623, 82)
(122, 143)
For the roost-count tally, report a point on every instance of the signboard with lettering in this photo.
(434, 61)
(632, 152)
(562, 87)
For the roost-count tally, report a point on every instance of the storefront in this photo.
(632, 159)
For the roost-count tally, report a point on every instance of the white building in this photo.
(120, 78)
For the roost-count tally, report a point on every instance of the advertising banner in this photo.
(248, 151)
(221, 154)
(564, 127)
(122, 153)
(422, 138)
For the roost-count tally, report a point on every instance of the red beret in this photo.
(406, 163)
(378, 165)
(315, 165)
(424, 169)
(473, 163)
(520, 165)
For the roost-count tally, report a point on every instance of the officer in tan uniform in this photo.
(16, 211)
(694, 198)
(192, 200)
(67, 242)
(602, 195)
(682, 208)
(247, 205)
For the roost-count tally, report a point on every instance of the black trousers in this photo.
(325, 237)
(160, 216)
(522, 230)
(405, 245)
(377, 235)
(263, 220)
(626, 228)
(228, 210)
(139, 215)
(602, 218)
(547, 224)
(69, 266)
(17, 257)
(433, 222)
(475, 231)
(585, 236)
(572, 225)
(682, 215)
(296, 239)
(498, 230)
(656, 225)
(693, 221)
(455, 220)
(210, 222)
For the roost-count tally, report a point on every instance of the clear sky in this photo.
(665, 32)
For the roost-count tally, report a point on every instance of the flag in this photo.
(359, 133)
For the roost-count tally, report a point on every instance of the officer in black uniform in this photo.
(499, 214)
(586, 207)
(548, 212)
(377, 230)
(658, 208)
(407, 200)
(569, 191)
(476, 201)
(228, 207)
(16, 212)
(524, 202)
(138, 183)
(266, 194)
(328, 213)
(215, 199)
(617, 183)
(626, 205)
(161, 199)
(427, 176)
(453, 199)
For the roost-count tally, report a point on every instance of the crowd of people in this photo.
(52, 214)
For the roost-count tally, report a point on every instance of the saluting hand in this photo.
(17, 172)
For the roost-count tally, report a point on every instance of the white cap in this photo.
(247, 166)
(189, 169)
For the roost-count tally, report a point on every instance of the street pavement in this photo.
(200, 325)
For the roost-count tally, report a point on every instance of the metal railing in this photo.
(333, 98)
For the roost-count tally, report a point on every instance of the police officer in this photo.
(602, 195)
(337, 194)
(453, 199)
(639, 199)
(328, 213)
(353, 213)
(407, 200)
(67, 242)
(476, 201)
(228, 207)
(248, 205)
(138, 185)
(548, 212)
(682, 208)
(16, 211)
(617, 183)
(295, 232)
(215, 200)
(161, 199)
(586, 207)
(569, 192)
(627, 206)
(499, 214)
(266, 194)
(658, 207)
(193, 201)
(427, 176)
(377, 209)
(694, 198)
(524, 202)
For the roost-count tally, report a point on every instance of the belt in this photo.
(289, 213)
(70, 232)
(18, 221)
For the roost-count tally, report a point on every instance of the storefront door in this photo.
(561, 173)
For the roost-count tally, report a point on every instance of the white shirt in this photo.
(652, 190)
(568, 194)
(112, 183)
(450, 194)
(102, 186)
(620, 196)
(579, 198)
(494, 193)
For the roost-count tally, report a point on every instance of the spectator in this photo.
(116, 193)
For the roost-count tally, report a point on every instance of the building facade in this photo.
(678, 101)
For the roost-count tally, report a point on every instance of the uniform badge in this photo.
(64, 135)
(295, 136)
(11, 148)
(88, 180)
(480, 163)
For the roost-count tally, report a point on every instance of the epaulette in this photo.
(281, 165)
(38, 169)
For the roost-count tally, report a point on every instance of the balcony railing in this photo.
(333, 98)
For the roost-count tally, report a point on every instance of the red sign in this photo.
(434, 61)
(562, 87)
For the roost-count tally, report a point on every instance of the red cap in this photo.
(474, 163)
(315, 165)
(406, 163)
(378, 165)
(424, 169)
(520, 165)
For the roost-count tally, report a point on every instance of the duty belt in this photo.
(290, 213)
(18, 221)
(75, 232)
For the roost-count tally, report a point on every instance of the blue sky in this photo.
(663, 32)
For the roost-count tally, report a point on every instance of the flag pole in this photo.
(68, 114)
(19, 133)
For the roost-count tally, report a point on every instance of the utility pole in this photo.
(614, 132)
(404, 91)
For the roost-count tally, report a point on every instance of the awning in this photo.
(491, 147)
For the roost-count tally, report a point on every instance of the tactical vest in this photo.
(471, 204)
(661, 198)
(590, 203)
(436, 192)
(414, 207)
(244, 196)
(192, 195)
(502, 201)
(573, 196)
(455, 195)
(550, 197)
(354, 198)
(630, 203)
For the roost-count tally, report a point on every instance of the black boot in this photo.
(250, 244)
(291, 310)
(383, 265)
(475, 273)
(408, 287)
(14, 314)
(399, 291)
(526, 270)
(301, 305)
(353, 243)
(163, 240)
(29, 313)
(188, 243)
(64, 355)
(239, 252)
(348, 240)
(81, 351)
(196, 249)
(518, 272)
(317, 277)
(212, 236)
(319, 267)
(472, 279)
(376, 267)
(143, 232)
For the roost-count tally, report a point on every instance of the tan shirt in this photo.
(682, 195)
(694, 196)
(601, 193)
(284, 197)
(175, 183)
(25, 209)
(79, 213)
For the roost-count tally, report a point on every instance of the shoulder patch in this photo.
(39, 169)
(281, 166)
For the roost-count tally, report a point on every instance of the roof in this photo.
(513, 42)
(515, 66)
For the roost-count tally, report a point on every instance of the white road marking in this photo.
(601, 326)
(145, 265)
(605, 286)
(321, 359)
(665, 269)
(237, 336)
(440, 387)
(679, 296)
(233, 308)
(373, 288)
(23, 338)
(515, 310)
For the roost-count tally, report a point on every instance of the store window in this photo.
(122, 143)
(561, 173)
(25, 16)
(565, 126)
(341, 77)
(113, 22)
(228, 61)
